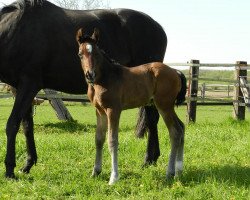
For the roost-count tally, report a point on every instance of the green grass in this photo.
(226, 77)
(217, 161)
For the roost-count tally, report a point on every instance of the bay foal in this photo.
(113, 88)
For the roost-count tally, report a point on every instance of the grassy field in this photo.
(217, 160)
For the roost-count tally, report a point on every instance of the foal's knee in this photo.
(99, 139)
(182, 126)
(179, 129)
(99, 142)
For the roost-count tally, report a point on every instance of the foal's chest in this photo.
(101, 97)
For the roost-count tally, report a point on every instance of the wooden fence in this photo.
(241, 87)
(237, 90)
(205, 88)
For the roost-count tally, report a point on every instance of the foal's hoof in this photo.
(113, 178)
(178, 174)
(95, 173)
(170, 176)
(112, 181)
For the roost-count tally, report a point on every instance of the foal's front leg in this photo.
(113, 125)
(99, 141)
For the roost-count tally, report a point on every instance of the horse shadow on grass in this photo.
(71, 126)
(231, 174)
(74, 126)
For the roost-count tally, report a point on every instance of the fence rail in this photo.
(190, 64)
(241, 87)
(239, 99)
(64, 97)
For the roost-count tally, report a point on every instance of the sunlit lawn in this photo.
(217, 161)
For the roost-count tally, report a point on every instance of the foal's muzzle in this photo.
(90, 76)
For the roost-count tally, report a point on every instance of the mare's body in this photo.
(38, 50)
(113, 88)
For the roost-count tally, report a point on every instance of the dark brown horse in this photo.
(38, 50)
(113, 88)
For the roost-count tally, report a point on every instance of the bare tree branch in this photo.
(83, 4)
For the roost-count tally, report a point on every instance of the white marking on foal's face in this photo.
(89, 48)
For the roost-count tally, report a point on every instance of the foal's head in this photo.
(89, 54)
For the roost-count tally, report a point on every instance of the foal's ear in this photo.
(95, 35)
(79, 36)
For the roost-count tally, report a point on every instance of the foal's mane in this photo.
(111, 60)
(87, 38)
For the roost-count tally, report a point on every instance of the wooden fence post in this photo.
(203, 91)
(193, 90)
(57, 104)
(228, 91)
(239, 104)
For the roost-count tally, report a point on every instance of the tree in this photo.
(83, 4)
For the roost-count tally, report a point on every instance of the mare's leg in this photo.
(151, 117)
(176, 133)
(113, 125)
(23, 100)
(141, 126)
(28, 129)
(99, 141)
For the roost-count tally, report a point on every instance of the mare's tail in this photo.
(181, 95)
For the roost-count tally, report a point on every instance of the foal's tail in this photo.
(181, 95)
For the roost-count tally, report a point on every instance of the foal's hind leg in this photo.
(28, 129)
(180, 151)
(99, 141)
(176, 133)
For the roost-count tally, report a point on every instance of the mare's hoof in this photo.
(149, 163)
(10, 176)
(25, 170)
(150, 160)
